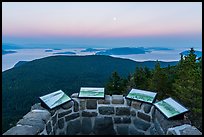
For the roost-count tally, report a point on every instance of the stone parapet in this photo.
(113, 115)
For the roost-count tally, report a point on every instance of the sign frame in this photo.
(92, 97)
(44, 104)
(132, 99)
(175, 117)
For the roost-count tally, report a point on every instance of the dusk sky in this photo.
(102, 24)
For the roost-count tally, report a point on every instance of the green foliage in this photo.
(116, 84)
(188, 86)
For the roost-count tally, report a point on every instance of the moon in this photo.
(114, 18)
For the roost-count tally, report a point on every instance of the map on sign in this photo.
(170, 107)
(55, 99)
(142, 95)
(91, 92)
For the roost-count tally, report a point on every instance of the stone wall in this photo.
(114, 115)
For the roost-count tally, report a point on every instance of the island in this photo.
(8, 52)
(48, 50)
(123, 51)
(67, 52)
(57, 49)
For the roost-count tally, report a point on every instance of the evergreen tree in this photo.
(116, 85)
(159, 81)
(188, 86)
(141, 78)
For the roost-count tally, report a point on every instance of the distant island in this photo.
(8, 52)
(48, 50)
(123, 51)
(57, 49)
(90, 50)
(67, 52)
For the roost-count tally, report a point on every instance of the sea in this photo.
(9, 60)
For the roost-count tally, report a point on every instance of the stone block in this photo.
(104, 126)
(54, 119)
(38, 115)
(61, 123)
(88, 113)
(68, 105)
(22, 130)
(76, 105)
(143, 116)
(134, 131)
(39, 124)
(136, 104)
(147, 107)
(126, 120)
(71, 116)
(74, 95)
(133, 113)
(122, 129)
(63, 113)
(86, 127)
(183, 130)
(105, 101)
(73, 127)
(106, 110)
(117, 120)
(117, 99)
(122, 110)
(48, 127)
(140, 124)
(82, 104)
(91, 103)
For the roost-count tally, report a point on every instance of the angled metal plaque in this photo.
(170, 108)
(55, 99)
(142, 95)
(91, 92)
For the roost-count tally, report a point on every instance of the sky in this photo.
(102, 24)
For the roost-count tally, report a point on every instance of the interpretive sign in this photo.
(55, 99)
(91, 92)
(170, 108)
(142, 95)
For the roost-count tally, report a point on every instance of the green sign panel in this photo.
(91, 92)
(142, 95)
(170, 107)
(55, 99)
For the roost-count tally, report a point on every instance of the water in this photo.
(9, 60)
